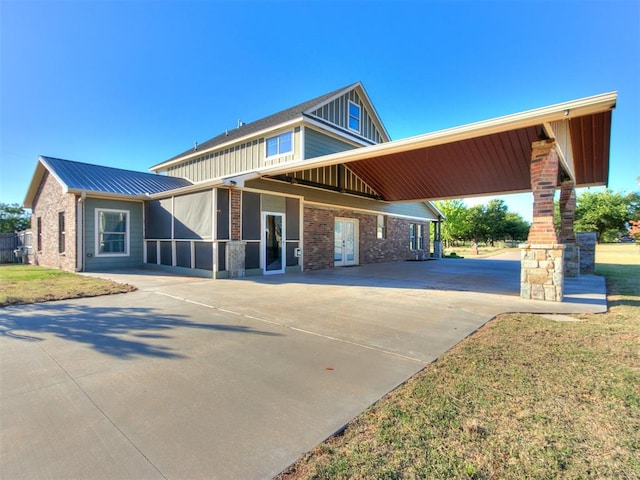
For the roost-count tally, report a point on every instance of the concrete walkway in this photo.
(194, 378)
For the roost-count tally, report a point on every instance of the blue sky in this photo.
(130, 84)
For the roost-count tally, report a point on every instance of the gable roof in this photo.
(271, 121)
(77, 177)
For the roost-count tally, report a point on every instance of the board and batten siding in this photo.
(135, 256)
(337, 112)
(244, 157)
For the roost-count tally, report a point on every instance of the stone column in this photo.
(542, 257)
(567, 237)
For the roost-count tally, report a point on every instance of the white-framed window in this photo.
(280, 144)
(112, 233)
(354, 117)
(381, 227)
(415, 236)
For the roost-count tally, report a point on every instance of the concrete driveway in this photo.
(193, 378)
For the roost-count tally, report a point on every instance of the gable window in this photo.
(354, 117)
(280, 144)
(112, 232)
(415, 236)
(61, 232)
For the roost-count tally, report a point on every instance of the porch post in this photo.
(542, 257)
(567, 237)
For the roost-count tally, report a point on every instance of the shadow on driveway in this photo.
(123, 332)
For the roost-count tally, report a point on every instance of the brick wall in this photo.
(319, 238)
(567, 211)
(236, 214)
(49, 202)
(544, 179)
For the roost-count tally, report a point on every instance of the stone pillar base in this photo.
(437, 249)
(587, 243)
(236, 258)
(542, 272)
(571, 260)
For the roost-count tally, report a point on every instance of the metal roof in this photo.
(76, 177)
(488, 157)
(259, 125)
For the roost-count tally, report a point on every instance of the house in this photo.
(215, 210)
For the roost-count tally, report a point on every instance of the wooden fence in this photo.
(10, 242)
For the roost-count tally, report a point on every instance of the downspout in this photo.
(80, 233)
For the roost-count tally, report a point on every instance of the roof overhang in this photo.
(487, 157)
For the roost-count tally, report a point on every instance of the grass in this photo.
(524, 397)
(484, 251)
(29, 284)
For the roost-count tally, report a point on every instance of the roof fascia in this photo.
(375, 112)
(576, 108)
(432, 206)
(41, 167)
(218, 182)
(332, 98)
(107, 195)
(196, 153)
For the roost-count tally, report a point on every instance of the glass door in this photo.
(345, 250)
(273, 252)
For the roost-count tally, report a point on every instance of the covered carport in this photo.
(563, 146)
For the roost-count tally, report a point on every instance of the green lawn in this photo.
(29, 284)
(524, 397)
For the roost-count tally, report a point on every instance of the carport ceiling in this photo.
(489, 157)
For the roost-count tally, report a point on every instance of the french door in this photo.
(345, 251)
(273, 246)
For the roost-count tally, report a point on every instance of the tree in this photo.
(454, 227)
(13, 218)
(515, 227)
(607, 213)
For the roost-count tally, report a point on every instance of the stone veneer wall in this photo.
(587, 243)
(319, 237)
(236, 258)
(571, 260)
(48, 203)
(542, 272)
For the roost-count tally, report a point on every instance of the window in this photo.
(381, 227)
(280, 144)
(415, 236)
(112, 232)
(39, 233)
(61, 233)
(354, 117)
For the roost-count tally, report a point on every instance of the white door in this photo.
(273, 235)
(345, 251)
